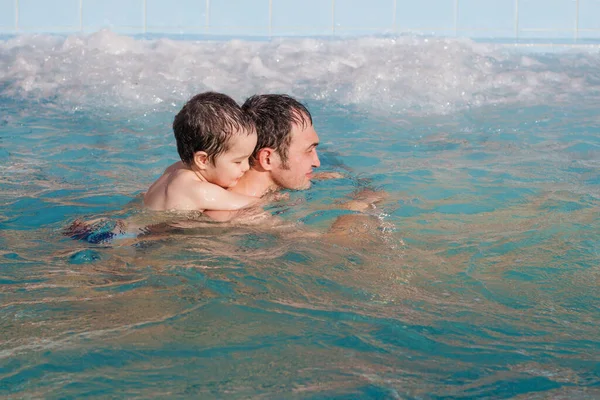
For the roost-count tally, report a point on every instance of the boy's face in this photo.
(228, 167)
(302, 158)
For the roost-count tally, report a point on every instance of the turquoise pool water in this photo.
(480, 279)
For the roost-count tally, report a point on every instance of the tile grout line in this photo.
(576, 19)
(516, 19)
(333, 17)
(394, 27)
(207, 17)
(17, 15)
(270, 18)
(455, 17)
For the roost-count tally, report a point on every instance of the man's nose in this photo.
(316, 161)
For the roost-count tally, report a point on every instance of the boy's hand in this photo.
(276, 196)
(321, 176)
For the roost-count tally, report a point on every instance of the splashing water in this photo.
(399, 74)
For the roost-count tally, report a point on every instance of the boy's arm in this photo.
(323, 176)
(214, 198)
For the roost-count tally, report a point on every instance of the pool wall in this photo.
(484, 19)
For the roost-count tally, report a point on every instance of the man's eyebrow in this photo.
(315, 144)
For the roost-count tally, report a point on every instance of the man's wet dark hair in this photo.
(206, 123)
(273, 116)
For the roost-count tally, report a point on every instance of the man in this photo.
(285, 158)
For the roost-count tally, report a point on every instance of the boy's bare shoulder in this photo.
(183, 182)
(173, 190)
(174, 176)
(174, 167)
(180, 174)
(177, 170)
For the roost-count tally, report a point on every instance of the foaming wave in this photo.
(399, 74)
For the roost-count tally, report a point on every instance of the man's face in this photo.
(302, 158)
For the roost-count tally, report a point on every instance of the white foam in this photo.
(402, 73)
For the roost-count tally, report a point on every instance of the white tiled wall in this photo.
(500, 19)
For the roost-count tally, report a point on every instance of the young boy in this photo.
(214, 141)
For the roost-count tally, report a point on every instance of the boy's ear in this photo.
(264, 158)
(201, 159)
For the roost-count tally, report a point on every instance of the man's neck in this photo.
(255, 183)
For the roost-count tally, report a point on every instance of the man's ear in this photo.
(201, 159)
(264, 158)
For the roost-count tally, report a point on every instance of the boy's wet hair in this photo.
(206, 123)
(273, 116)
